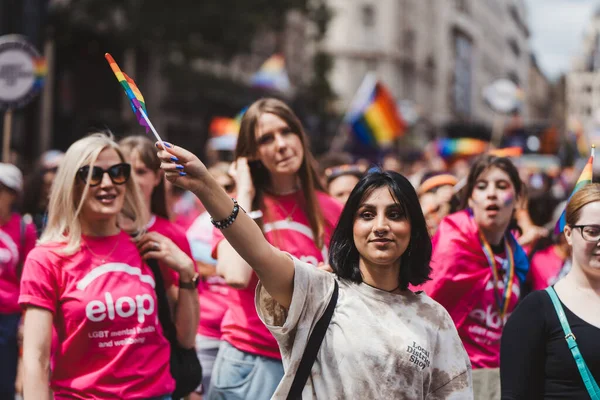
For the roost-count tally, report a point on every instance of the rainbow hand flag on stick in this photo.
(584, 179)
(136, 100)
(373, 114)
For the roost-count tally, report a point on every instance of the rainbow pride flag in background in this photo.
(374, 116)
(272, 75)
(224, 131)
(136, 100)
(460, 147)
(584, 179)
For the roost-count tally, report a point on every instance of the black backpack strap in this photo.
(312, 348)
(164, 311)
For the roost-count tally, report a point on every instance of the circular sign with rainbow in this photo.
(22, 72)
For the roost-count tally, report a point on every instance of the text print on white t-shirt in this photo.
(123, 315)
(283, 225)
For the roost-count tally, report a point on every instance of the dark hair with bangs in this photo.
(484, 163)
(344, 256)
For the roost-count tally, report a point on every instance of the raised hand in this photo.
(182, 167)
(240, 171)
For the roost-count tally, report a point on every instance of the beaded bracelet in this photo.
(226, 223)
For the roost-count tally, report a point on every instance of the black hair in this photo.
(344, 256)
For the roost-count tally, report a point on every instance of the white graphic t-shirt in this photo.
(378, 345)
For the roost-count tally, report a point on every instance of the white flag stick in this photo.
(152, 128)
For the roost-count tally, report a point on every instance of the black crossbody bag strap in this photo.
(164, 311)
(312, 348)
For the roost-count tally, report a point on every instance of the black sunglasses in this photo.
(118, 173)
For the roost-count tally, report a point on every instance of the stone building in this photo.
(436, 54)
(583, 83)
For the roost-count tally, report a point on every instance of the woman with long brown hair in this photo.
(278, 185)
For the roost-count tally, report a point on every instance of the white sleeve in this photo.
(313, 289)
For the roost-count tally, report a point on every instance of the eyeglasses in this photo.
(118, 173)
(591, 233)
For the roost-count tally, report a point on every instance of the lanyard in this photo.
(508, 275)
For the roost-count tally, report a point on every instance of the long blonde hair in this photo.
(66, 203)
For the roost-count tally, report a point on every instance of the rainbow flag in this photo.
(272, 75)
(374, 116)
(584, 179)
(224, 131)
(514, 151)
(136, 100)
(460, 147)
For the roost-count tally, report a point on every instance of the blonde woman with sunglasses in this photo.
(89, 279)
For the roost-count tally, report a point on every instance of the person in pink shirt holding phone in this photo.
(276, 180)
(89, 279)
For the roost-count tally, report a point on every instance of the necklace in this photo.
(289, 215)
(389, 291)
(103, 257)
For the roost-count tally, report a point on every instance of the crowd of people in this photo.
(295, 277)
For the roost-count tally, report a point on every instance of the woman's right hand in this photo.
(182, 167)
(240, 172)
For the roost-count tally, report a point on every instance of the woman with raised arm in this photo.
(88, 278)
(552, 327)
(383, 341)
(478, 268)
(275, 179)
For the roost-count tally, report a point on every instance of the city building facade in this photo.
(583, 83)
(438, 55)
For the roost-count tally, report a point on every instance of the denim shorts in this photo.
(207, 349)
(238, 375)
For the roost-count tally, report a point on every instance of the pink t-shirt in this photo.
(177, 235)
(241, 326)
(105, 315)
(214, 291)
(11, 253)
(482, 329)
(547, 267)
(187, 208)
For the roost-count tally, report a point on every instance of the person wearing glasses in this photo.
(538, 347)
(88, 278)
(214, 291)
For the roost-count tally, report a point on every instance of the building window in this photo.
(368, 15)
(463, 74)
